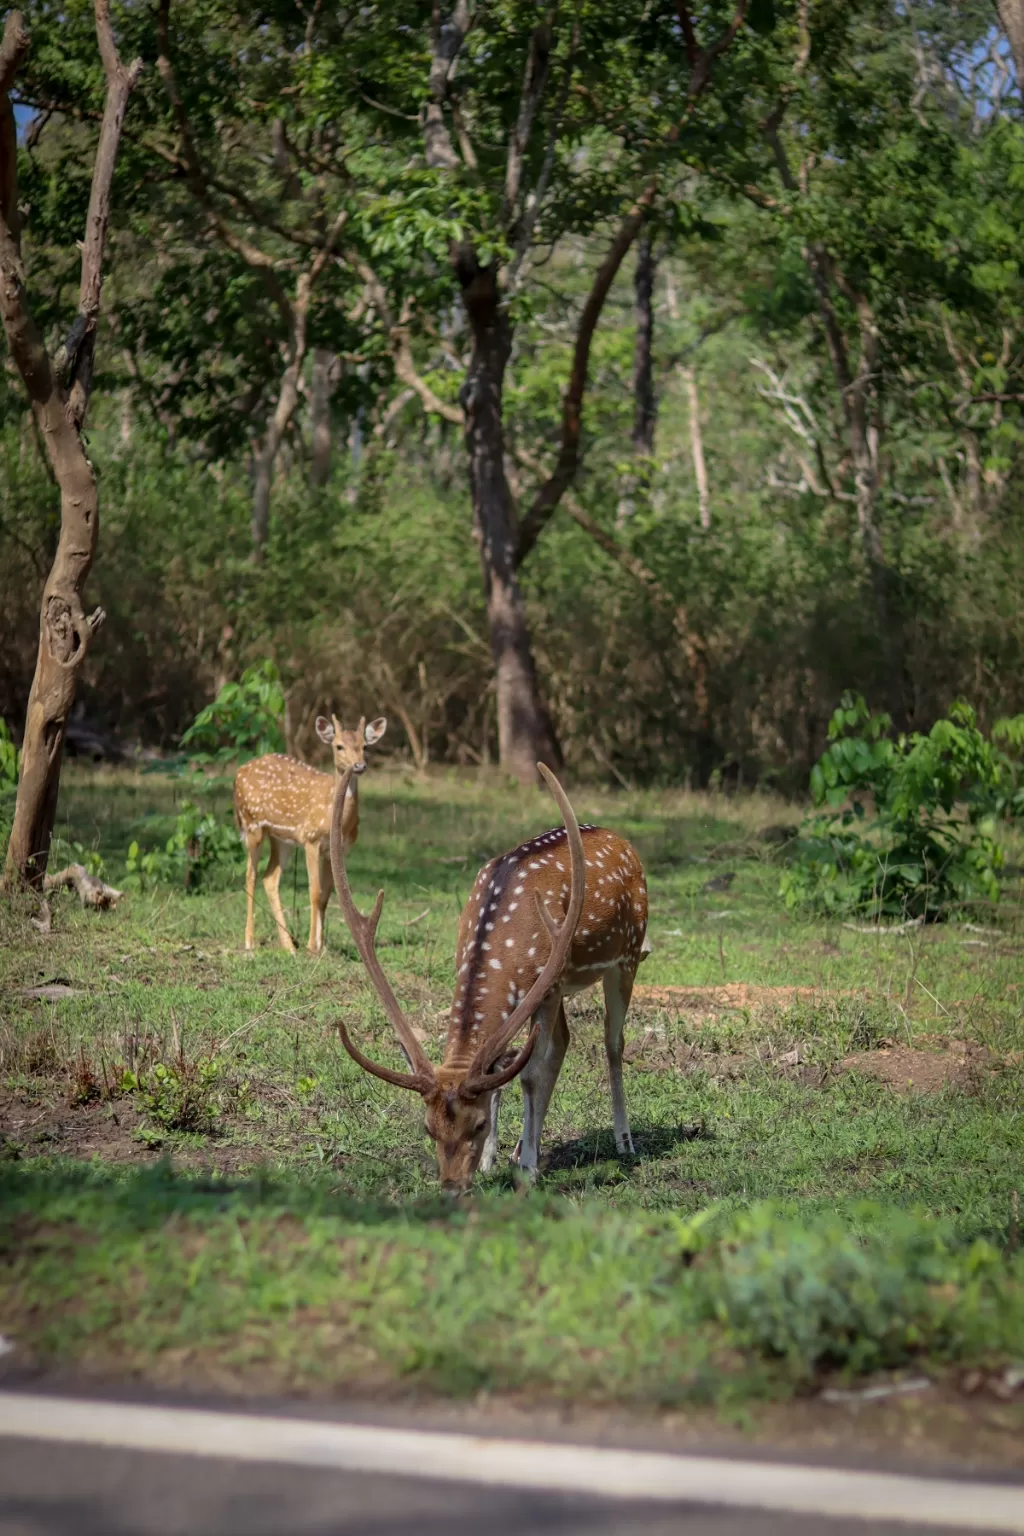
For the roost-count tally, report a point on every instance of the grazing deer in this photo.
(280, 799)
(552, 917)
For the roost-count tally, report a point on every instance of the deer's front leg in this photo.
(539, 1078)
(490, 1152)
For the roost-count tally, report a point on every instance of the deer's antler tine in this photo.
(478, 1079)
(363, 930)
(408, 1080)
(545, 916)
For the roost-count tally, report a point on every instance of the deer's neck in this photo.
(349, 811)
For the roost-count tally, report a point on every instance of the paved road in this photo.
(48, 1490)
(53, 1484)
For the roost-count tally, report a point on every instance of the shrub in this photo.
(815, 1294)
(179, 1095)
(245, 720)
(199, 846)
(928, 845)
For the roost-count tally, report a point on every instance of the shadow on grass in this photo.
(145, 1198)
(598, 1146)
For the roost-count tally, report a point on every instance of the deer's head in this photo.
(457, 1093)
(349, 747)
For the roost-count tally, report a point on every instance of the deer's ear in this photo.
(324, 729)
(375, 730)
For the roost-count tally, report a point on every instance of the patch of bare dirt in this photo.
(651, 1052)
(38, 1126)
(734, 996)
(952, 1064)
(32, 1127)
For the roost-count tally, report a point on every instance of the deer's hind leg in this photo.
(271, 882)
(618, 989)
(253, 843)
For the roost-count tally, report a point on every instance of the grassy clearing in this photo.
(193, 1169)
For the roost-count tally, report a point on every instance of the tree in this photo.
(590, 137)
(869, 170)
(59, 391)
(1011, 14)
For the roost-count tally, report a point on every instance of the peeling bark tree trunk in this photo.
(525, 733)
(64, 630)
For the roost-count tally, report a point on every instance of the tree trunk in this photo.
(64, 636)
(700, 472)
(637, 477)
(645, 409)
(525, 733)
(1011, 14)
(320, 414)
(267, 456)
(64, 630)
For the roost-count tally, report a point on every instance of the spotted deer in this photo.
(548, 919)
(279, 799)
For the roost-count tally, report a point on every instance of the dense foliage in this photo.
(244, 720)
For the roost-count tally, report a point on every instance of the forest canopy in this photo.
(609, 384)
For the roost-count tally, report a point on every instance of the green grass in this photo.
(286, 1221)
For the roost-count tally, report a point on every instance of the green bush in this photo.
(816, 1294)
(9, 763)
(178, 1096)
(904, 827)
(1009, 798)
(244, 720)
(199, 847)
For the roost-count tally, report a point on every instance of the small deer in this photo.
(550, 918)
(280, 799)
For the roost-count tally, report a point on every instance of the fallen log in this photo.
(92, 891)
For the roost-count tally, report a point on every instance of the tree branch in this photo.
(551, 491)
(700, 72)
(12, 51)
(448, 39)
(199, 182)
(534, 82)
(689, 36)
(120, 84)
(401, 347)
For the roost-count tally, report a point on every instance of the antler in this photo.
(364, 930)
(479, 1079)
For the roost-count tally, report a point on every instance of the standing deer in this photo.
(522, 948)
(280, 799)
